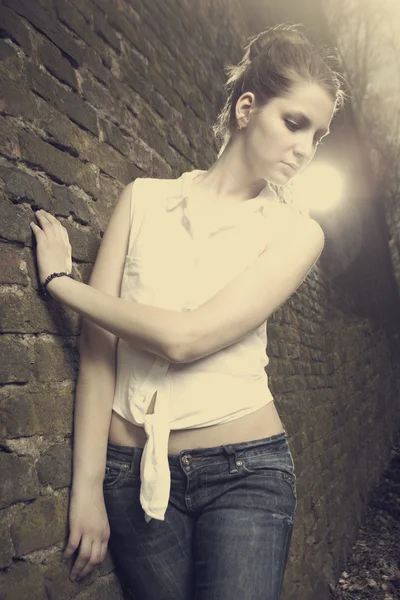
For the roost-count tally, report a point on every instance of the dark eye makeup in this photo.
(292, 126)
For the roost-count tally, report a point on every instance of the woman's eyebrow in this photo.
(307, 121)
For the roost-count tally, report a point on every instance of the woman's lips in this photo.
(293, 168)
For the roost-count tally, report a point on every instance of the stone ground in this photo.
(372, 571)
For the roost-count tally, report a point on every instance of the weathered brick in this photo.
(47, 24)
(103, 29)
(67, 202)
(159, 167)
(96, 65)
(48, 412)
(55, 361)
(56, 574)
(103, 588)
(112, 105)
(65, 100)
(10, 267)
(23, 581)
(23, 187)
(9, 143)
(18, 479)
(15, 364)
(159, 44)
(103, 210)
(131, 77)
(40, 524)
(108, 160)
(114, 137)
(27, 313)
(16, 29)
(149, 132)
(96, 584)
(58, 164)
(131, 31)
(74, 20)
(15, 98)
(172, 97)
(6, 546)
(11, 60)
(54, 467)
(51, 57)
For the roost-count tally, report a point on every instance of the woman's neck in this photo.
(221, 188)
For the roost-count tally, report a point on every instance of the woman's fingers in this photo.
(73, 543)
(45, 215)
(47, 219)
(43, 218)
(103, 553)
(90, 532)
(94, 559)
(85, 552)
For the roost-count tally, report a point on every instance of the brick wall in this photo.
(93, 95)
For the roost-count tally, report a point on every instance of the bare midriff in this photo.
(259, 424)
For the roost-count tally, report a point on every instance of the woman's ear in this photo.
(244, 106)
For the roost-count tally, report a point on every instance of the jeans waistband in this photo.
(127, 453)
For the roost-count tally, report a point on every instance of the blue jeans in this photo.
(227, 529)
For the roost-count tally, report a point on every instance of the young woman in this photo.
(172, 400)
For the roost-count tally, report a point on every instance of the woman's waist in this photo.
(262, 422)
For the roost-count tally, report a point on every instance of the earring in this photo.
(242, 125)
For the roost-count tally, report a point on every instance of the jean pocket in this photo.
(115, 474)
(268, 465)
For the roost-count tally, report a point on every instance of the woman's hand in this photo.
(89, 529)
(53, 247)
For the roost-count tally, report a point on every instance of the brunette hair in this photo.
(273, 61)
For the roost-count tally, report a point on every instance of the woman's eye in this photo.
(290, 125)
(295, 127)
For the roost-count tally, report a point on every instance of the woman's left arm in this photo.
(241, 306)
(258, 291)
(154, 329)
(151, 328)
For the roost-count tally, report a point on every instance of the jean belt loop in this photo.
(134, 458)
(232, 458)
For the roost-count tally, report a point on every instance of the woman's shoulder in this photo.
(159, 185)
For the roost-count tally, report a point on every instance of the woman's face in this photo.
(286, 130)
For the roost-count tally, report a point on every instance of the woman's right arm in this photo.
(94, 396)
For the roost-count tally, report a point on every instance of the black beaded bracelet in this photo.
(43, 289)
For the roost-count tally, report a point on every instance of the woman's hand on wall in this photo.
(89, 529)
(53, 247)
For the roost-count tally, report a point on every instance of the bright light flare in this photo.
(319, 187)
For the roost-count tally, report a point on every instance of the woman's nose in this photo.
(305, 149)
